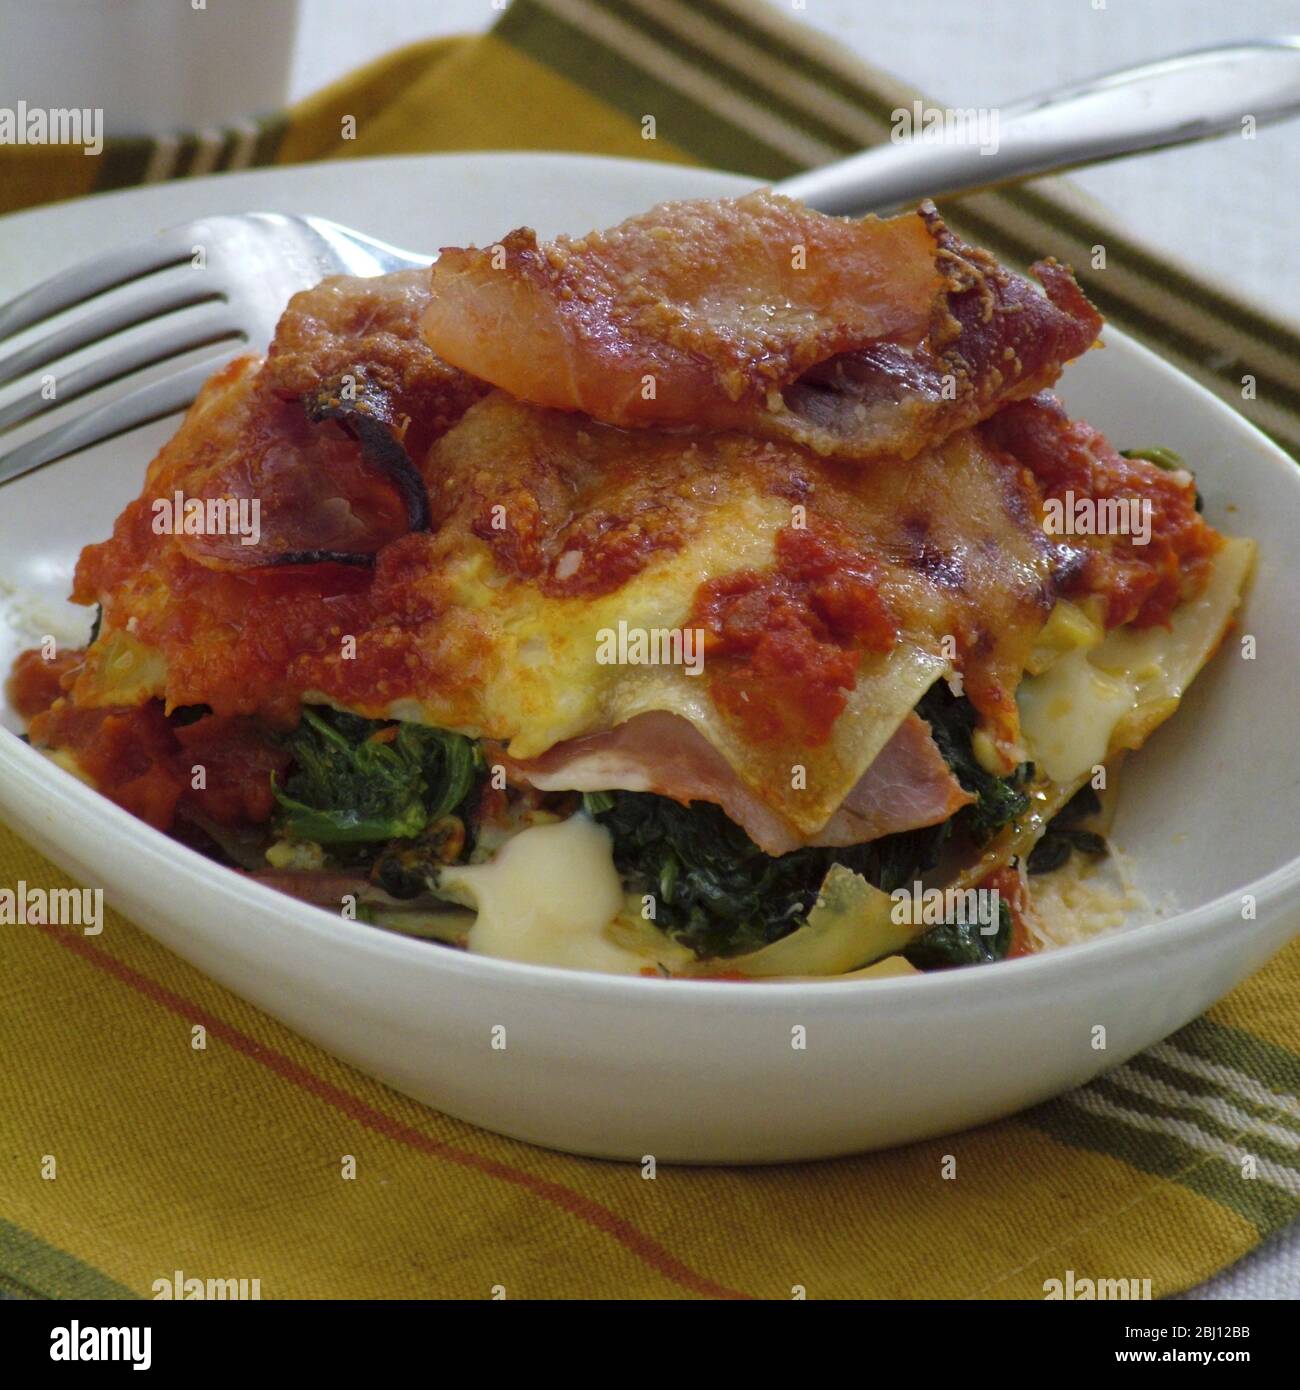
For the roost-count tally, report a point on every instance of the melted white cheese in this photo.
(548, 898)
(1069, 713)
(1094, 701)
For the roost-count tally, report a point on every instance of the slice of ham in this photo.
(307, 489)
(993, 339)
(328, 435)
(367, 329)
(908, 785)
(857, 338)
(690, 314)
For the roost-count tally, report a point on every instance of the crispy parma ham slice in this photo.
(907, 786)
(691, 314)
(353, 339)
(270, 487)
(858, 338)
(993, 338)
(324, 433)
(349, 397)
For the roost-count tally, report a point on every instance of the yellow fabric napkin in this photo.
(225, 1162)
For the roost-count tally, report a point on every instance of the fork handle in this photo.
(1193, 95)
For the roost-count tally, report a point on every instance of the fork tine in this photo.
(92, 328)
(200, 331)
(80, 282)
(149, 403)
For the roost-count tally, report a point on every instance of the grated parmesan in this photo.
(1086, 898)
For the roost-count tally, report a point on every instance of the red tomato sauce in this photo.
(1012, 890)
(147, 763)
(783, 645)
(35, 684)
(290, 621)
(1140, 583)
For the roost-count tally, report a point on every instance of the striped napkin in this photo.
(128, 1156)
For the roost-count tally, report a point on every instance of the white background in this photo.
(1230, 206)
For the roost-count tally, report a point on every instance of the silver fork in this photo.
(253, 262)
(238, 271)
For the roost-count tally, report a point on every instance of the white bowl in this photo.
(693, 1071)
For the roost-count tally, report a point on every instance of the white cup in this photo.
(152, 66)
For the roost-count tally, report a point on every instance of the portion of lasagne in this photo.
(721, 595)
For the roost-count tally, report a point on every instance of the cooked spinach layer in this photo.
(998, 800)
(399, 797)
(961, 943)
(359, 781)
(1064, 834)
(715, 891)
